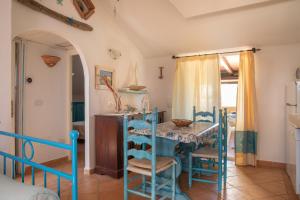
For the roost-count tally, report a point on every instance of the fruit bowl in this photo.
(182, 122)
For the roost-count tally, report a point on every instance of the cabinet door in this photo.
(291, 145)
(107, 129)
(291, 152)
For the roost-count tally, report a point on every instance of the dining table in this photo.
(172, 141)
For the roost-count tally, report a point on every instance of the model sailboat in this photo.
(133, 82)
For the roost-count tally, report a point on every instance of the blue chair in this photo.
(218, 154)
(209, 117)
(145, 163)
(204, 116)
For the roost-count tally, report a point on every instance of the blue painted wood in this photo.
(155, 185)
(26, 160)
(45, 179)
(220, 151)
(203, 114)
(13, 166)
(32, 176)
(58, 186)
(125, 146)
(31, 149)
(139, 139)
(166, 147)
(222, 157)
(139, 124)
(139, 154)
(4, 165)
(74, 137)
(22, 168)
(147, 116)
(38, 140)
(225, 122)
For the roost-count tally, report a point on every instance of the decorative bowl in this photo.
(136, 87)
(182, 122)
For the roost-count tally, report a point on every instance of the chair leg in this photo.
(144, 183)
(190, 169)
(220, 175)
(153, 187)
(125, 184)
(173, 182)
(225, 170)
(210, 163)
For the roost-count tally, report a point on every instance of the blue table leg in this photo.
(185, 150)
(166, 147)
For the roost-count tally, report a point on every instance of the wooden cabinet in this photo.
(109, 143)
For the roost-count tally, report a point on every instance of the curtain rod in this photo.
(254, 50)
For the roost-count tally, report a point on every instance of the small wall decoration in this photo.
(51, 61)
(60, 2)
(161, 76)
(102, 73)
(114, 54)
(85, 8)
(51, 13)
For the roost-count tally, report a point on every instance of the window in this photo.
(229, 94)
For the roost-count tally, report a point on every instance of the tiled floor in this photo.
(246, 183)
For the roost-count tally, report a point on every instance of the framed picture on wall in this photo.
(85, 8)
(101, 72)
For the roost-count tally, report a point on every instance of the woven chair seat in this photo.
(143, 166)
(207, 152)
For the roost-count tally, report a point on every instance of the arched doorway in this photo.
(43, 94)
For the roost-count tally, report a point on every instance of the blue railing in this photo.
(26, 160)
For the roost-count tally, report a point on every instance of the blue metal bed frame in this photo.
(25, 160)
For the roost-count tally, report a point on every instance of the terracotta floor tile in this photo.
(234, 194)
(244, 183)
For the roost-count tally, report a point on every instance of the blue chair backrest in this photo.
(204, 115)
(222, 133)
(147, 116)
(140, 139)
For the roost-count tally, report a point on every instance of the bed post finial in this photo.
(74, 136)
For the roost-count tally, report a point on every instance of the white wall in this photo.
(275, 67)
(5, 66)
(45, 99)
(92, 48)
(6, 122)
(160, 89)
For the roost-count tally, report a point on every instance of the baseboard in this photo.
(50, 163)
(264, 163)
(88, 171)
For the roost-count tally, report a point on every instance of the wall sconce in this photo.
(50, 61)
(161, 76)
(114, 54)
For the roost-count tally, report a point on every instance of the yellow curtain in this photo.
(197, 83)
(246, 129)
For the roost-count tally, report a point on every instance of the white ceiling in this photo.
(193, 8)
(48, 39)
(158, 28)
